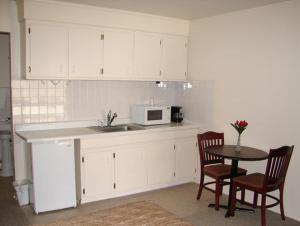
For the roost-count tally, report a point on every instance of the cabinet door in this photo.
(47, 46)
(174, 58)
(186, 158)
(118, 54)
(160, 162)
(130, 169)
(147, 56)
(98, 173)
(85, 53)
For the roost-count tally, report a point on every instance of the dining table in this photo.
(235, 154)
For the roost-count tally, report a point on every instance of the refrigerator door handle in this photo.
(64, 143)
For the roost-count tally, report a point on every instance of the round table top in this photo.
(245, 153)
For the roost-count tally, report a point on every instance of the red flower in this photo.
(243, 123)
(240, 126)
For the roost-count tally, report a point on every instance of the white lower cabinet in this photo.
(98, 173)
(130, 168)
(112, 167)
(186, 158)
(160, 162)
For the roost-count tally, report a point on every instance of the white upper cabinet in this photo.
(67, 51)
(147, 56)
(118, 54)
(174, 58)
(46, 51)
(85, 53)
(69, 48)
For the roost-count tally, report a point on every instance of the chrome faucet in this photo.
(110, 118)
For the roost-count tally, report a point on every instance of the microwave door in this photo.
(154, 115)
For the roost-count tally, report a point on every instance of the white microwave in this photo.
(150, 114)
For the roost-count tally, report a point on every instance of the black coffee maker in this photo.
(176, 114)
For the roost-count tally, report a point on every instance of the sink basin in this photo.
(117, 128)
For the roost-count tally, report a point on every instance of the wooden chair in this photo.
(213, 166)
(273, 179)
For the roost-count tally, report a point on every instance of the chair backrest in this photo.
(277, 166)
(209, 139)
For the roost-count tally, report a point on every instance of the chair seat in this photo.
(221, 171)
(252, 181)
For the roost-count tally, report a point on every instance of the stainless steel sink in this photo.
(117, 128)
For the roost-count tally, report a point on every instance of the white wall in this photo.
(248, 63)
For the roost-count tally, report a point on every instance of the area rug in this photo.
(144, 213)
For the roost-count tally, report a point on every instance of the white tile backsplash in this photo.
(43, 101)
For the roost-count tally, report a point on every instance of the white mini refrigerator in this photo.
(53, 176)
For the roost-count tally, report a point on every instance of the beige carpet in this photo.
(144, 213)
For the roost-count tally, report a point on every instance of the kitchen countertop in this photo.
(86, 132)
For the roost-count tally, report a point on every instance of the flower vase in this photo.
(238, 145)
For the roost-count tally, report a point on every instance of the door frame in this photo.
(11, 110)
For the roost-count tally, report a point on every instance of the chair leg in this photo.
(243, 195)
(263, 209)
(217, 194)
(255, 197)
(222, 182)
(281, 202)
(233, 199)
(200, 186)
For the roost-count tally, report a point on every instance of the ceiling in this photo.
(184, 9)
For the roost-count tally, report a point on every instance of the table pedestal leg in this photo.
(233, 173)
(212, 205)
